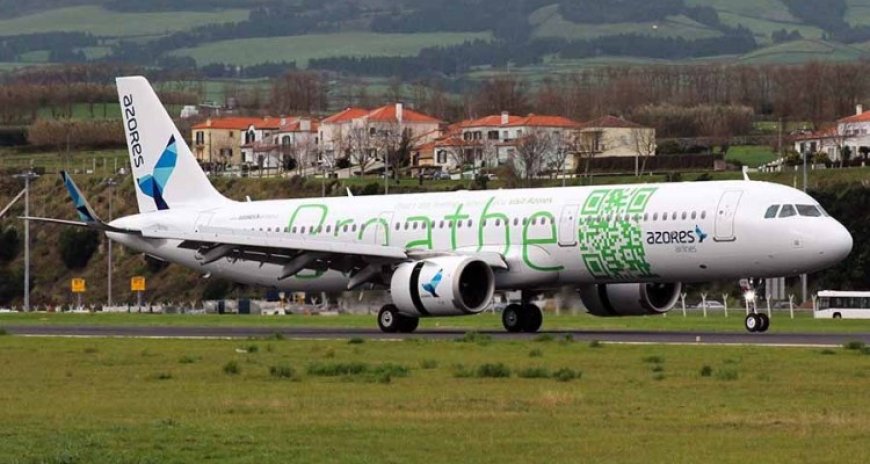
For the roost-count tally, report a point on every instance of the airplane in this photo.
(626, 249)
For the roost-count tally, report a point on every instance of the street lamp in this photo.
(28, 176)
(110, 183)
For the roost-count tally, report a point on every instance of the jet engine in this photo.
(442, 286)
(630, 299)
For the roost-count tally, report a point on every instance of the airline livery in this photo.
(627, 249)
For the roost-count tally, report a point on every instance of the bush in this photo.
(282, 372)
(488, 370)
(854, 345)
(337, 369)
(595, 344)
(186, 360)
(460, 371)
(216, 289)
(252, 349)
(232, 368)
(658, 368)
(391, 370)
(428, 364)
(3, 332)
(653, 360)
(10, 242)
(534, 373)
(77, 247)
(536, 353)
(356, 341)
(706, 371)
(827, 351)
(726, 374)
(163, 376)
(565, 374)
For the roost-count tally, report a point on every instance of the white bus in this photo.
(839, 305)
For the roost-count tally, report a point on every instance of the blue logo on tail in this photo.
(433, 284)
(700, 233)
(153, 184)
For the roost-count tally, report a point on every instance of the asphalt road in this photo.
(687, 337)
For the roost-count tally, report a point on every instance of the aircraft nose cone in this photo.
(841, 243)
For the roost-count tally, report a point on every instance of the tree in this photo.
(10, 243)
(297, 91)
(562, 148)
(359, 142)
(644, 140)
(77, 247)
(531, 150)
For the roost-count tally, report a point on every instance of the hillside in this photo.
(426, 34)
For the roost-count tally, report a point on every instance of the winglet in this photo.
(746, 173)
(83, 208)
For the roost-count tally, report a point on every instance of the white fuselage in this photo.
(549, 237)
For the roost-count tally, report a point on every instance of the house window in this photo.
(200, 138)
(285, 140)
(442, 157)
(232, 134)
(504, 135)
(492, 135)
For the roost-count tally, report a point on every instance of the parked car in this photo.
(711, 304)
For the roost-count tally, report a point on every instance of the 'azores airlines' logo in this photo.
(153, 184)
(433, 284)
(700, 233)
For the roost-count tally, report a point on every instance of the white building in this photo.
(852, 132)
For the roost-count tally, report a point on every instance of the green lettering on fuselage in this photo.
(527, 242)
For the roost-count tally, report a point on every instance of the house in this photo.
(849, 136)
(218, 141)
(294, 137)
(366, 136)
(445, 154)
(613, 136)
(494, 140)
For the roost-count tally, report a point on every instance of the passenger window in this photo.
(328, 229)
(655, 216)
(469, 223)
(808, 211)
(684, 215)
(703, 215)
(771, 212)
(694, 215)
(787, 211)
(397, 226)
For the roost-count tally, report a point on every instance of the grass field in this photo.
(549, 22)
(106, 23)
(674, 321)
(801, 51)
(300, 49)
(857, 12)
(751, 155)
(259, 401)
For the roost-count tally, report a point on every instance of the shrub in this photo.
(276, 336)
(9, 244)
(282, 372)
(706, 371)
(726, 374)
(658, 368)
(163, 376)
(595, 344)
(77, 247)
(653, 360)
(90, 350)
(232, 368)
(865, 350)
(544, 338)
(3, 331)
(252, 349)
(854, 345)
(460, 371)
(337, 369)
(392, 370)
(356, 341)
(565, 374)
(216, 289)
(428, 364)
(827, 351)
(536, 353)
(534, 373)
(497, 370)
(186, 360)
(569, 338)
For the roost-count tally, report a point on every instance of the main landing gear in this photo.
(755, 321)
(523, 317)
(390, 320)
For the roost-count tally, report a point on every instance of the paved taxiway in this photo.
(687, 337)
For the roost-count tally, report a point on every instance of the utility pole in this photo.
(27, 176)
(111, 183)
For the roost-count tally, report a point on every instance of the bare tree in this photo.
(360, 146)
(531, 151)
(587, 144)
(562, 147)
(644, 139)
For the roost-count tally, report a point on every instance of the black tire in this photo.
(512, 318)
(408, 324)
(751, 323)
(389, 319)
(764, 322)
(837, 316)
(533, 318)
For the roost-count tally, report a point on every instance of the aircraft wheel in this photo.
(389, 319)
(408, 324)
(764, 322)
(512, 318)
(752, 323)
(533, 316)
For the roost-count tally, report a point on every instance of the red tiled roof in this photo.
(488, 121)
(239, 123)
(863, 117)
(535, 120)
(611, 122)
(823, 133)
(446, 141)
(295, 125)
(387, 113)
(347, 114)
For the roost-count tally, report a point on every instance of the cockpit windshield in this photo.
(784, 211)
(787, 211)
(809, 210)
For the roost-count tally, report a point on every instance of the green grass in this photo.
(78, 161)
(715, 322)
(751, 155)
(800, 51)
(132, 402)
(106, 23)
(857, 12)
(303, 48)
(549, 22)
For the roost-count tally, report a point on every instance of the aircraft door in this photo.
(568, 226)
(725, 213)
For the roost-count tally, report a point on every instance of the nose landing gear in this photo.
(755, 321)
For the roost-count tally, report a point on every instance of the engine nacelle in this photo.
(630, 299)
(443, 286)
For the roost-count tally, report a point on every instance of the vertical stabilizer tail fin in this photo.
(165, 172)
(83, 208)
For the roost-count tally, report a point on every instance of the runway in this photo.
(310, 333)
